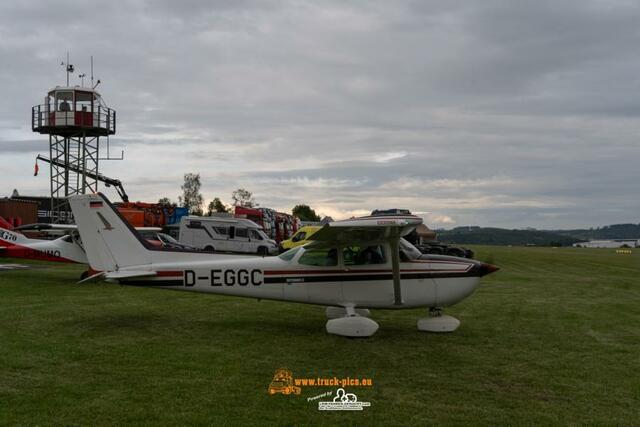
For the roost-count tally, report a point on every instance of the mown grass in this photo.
(553, 338)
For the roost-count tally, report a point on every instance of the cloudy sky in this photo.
(496, 113)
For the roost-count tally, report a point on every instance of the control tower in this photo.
(75, 118)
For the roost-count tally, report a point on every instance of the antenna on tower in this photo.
(93, 86)
(69, 68)
(82, 76)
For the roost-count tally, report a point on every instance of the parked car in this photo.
(162, 240)
(225, 234)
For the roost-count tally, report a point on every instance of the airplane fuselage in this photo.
(15, 245)
(430, 281)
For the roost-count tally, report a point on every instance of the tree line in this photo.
(193, 200)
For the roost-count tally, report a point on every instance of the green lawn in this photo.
(552, 338)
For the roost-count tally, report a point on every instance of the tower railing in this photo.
(102, 119)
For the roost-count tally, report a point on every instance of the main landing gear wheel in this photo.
(352, 325)
(337, 312)
(438, 322)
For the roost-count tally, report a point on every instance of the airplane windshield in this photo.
(288, 255)
(409, 250)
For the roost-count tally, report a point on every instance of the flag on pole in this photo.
(36, 169)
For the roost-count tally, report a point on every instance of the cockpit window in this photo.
(356, 255)
(408, 250)
(288, 255)
(319, 257)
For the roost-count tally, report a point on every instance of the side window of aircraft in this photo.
(408, 252)
(242, 232)
(319, 257)
(355, 255)
(255, 235)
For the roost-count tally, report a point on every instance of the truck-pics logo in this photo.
(283, 383)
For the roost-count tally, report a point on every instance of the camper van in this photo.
(225, 234)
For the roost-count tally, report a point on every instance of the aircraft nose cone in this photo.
(487, 269)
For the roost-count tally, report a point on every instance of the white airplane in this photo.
(67, 248)
(351, 266)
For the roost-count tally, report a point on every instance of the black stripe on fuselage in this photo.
(366, 277)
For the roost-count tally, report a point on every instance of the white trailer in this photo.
(216, 234)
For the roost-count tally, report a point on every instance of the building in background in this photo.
(613, 243)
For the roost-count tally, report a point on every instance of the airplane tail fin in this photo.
(108, 239)
(5, 224)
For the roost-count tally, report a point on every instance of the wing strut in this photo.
(395, 265)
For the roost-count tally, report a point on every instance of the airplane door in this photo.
(322, 276)
(368, 278)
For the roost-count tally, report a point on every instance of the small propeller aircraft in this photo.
(351, 266)
(67, 248)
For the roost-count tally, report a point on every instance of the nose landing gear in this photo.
(438, 322)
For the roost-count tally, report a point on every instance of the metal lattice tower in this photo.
(75, 118)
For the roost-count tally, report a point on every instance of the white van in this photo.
(225, 234)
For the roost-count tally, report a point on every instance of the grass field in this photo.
(553, 338)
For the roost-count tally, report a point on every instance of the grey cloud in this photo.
(446, 107)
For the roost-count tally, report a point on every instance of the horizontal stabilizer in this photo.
(93, 278)
(129, 274)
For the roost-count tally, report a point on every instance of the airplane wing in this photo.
(367, 231)
(44, 226)
(364, 230)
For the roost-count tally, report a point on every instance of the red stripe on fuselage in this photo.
(25, 252)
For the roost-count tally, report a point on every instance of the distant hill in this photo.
(615, 231)
(502, 236)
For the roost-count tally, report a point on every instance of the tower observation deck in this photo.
(75, 118)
